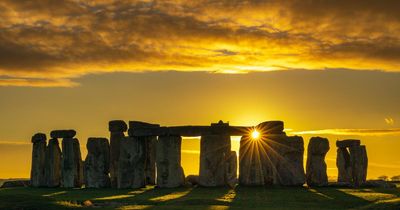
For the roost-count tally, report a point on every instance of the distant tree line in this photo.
(386, 178)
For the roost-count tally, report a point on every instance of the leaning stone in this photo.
(168, 159)
(117, 129)
(38, 160)
(53, 163)
(347, 143)
(131, 166)
(214, 151)
(117, 126)
(289, 160)
(150, 167)
(62, 134)
(359, 164)
(97, 163)
(71, 164)
(316, 166)
(343, 165)
(231, 170)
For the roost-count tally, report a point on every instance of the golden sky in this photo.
(328, 68)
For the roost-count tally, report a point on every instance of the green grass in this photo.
(201, 198)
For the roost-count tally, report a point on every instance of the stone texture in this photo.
(38, 160)
(168, 159)
(71, 164)
(359, 164)
(192, 180)
(253, 170)
(150, 167)
(214, 152)
(62, 134)
(271, 127)
(97, 163)
(343, 165)
(131, 165)
(316, 167)
(231, 170)
(289, 161)
(348, 143)
(53, 164)
(117, 129)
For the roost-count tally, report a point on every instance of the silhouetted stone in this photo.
(132, 159)
(38, 160)
(62, 134)
(289, 161)
(271, 127)
(252, 154)
(150, 167)
(53, 163)
(192, 180)
(359, 164)
(168, 159)
(117, 129)
(343, 165)
(316, 166)
(231, 170)
(15, 183)
(214, 152)
(347, 143)
(71, 164)
(97, 163)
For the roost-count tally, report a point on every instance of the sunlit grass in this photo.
(68, 204)
(171, 196)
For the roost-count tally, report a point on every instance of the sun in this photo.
(255, 135)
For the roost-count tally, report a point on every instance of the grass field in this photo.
(201, 198)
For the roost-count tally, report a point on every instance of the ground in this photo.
(201, 198)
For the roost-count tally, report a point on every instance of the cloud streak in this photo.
(350, 132)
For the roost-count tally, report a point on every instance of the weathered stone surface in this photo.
(53, 164)
(62, 134)
(231, 170)
(347, 143)
(38, 160)
(343, 165)
(253, 169)
(289, 160)
(168, 159)
(117, 128)
(214, 152)
(97, 163)
(359, 164)
(71, 164)
(131, 166)
(150, 167)
(271, 127)
(316, 166)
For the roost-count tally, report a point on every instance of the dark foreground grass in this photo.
(200, 198)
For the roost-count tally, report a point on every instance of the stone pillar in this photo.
(38, 160)
(214, 152)
(150, 166)
(289, 161)
(97, 163)
(168, 159)
(359, 164)
(117, 129)
(316, 166)
(231, 170)
(131, 164)
(71, 162)
(53, 163)
(343, 160)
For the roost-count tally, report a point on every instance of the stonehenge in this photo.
(352, 162)
(150, 154)
(97, 163)
(316, 166)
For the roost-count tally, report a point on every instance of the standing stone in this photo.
(38, 160)
(53, 163)
(71, 163)
(231, 170)
(168, 159)
(359, 164)
(289, 161)
(316, 166)
(150, 168)
(343, 165)
(214, 152)
(132, 160)
(117, 129)
(97, 163)
(251, 164)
